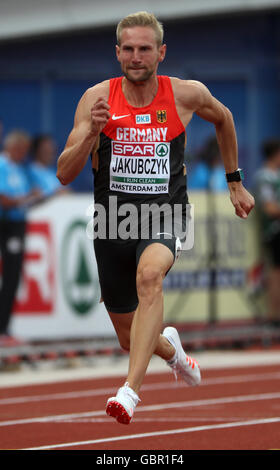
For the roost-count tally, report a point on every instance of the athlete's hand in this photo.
(241, 199)
(99, 115)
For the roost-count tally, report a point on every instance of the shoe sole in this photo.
(116, 410)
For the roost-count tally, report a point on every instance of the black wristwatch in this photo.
(237, 175)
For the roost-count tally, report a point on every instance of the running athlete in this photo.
(134, 128)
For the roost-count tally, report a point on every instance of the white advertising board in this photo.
(59, 294)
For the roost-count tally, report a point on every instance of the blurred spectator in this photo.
(208, 173)
(41, 171)
(16, 196)
(267, 195)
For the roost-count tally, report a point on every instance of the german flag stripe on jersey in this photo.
(141, 150)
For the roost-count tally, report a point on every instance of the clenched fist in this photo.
(99, 115)
(241, 199)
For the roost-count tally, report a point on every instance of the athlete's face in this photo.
(139, 53)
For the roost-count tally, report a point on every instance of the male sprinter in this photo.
(114, 122)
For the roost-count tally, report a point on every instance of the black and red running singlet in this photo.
(141, 150)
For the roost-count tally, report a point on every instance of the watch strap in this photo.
(236, 175)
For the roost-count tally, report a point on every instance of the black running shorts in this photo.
(117, 265)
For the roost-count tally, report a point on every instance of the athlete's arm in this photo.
(195, 97)
(91, 116)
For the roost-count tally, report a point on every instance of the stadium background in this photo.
(50, 53)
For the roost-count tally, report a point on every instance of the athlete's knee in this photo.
(149, 280)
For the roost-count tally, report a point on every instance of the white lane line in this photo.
(162, 406)
(160, 433)
(165, 419)
(148, 387)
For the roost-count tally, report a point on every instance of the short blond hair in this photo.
(141, 18)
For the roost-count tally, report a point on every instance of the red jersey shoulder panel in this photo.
(160, 116)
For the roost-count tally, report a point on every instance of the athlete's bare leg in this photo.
(147, 320)
(122, 323)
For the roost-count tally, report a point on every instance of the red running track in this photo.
(232, 409)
